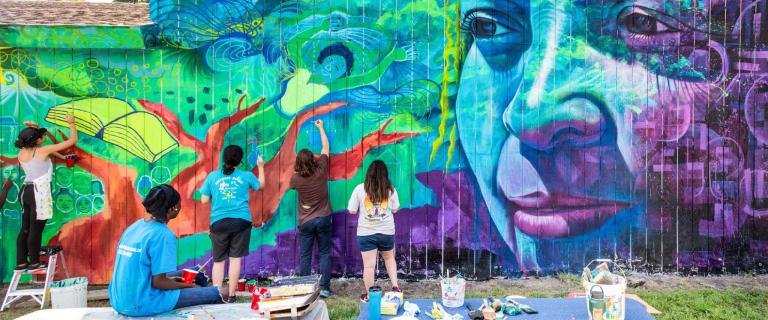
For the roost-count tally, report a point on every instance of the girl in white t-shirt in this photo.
(376, 202)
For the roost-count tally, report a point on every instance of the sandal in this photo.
(364, 298)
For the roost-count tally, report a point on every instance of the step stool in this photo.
(38, 294)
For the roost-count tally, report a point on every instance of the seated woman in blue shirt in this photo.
(146, 254)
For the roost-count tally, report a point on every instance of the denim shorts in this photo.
(198, 296)
(378, 241)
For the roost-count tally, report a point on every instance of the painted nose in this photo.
(577, 121)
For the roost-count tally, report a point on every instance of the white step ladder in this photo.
(38, 294)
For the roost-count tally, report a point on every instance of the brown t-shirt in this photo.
(313, 192)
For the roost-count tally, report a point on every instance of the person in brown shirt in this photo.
(310, 181)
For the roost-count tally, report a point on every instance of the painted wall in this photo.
(522, 135)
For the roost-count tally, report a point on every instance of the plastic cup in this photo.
(251, 286)
(257, 294)
(188, 276)
(241, 285)
(70, 162)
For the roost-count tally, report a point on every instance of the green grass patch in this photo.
(343, 308)
(710, 304)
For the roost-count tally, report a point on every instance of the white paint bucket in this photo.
(453, 292)
(69, 293)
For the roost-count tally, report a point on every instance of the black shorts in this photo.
(381, 242)
(230, 244)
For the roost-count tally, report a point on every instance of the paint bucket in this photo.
(258, 293)
(606, 301)
(188, 276)
(69, 293)
(453, 291)
(241, 285)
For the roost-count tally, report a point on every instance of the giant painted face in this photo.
(583, 118)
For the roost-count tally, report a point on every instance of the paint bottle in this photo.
(596, 303)
(374, 303)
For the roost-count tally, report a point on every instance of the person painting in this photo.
(311, 183)
(376, 201)
(146, 254)
(35, 195)
(227, 190)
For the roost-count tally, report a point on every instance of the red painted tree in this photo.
(90, 242)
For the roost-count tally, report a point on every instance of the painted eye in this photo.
(641, 23)
(483, 26)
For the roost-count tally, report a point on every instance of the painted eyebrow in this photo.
(505, 7)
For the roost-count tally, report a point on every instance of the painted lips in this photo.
(561, 215)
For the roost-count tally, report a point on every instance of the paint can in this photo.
(606, 301)
(453, 291)
(188, 276)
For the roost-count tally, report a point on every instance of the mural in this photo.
(523, 136)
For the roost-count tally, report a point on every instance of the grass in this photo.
(728, 304)
(710, 304)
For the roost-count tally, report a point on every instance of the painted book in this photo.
(117, 122)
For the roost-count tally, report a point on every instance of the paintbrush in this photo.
(204, 264)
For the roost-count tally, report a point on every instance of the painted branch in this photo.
(215, 136)
(345, 165)
(173, 123)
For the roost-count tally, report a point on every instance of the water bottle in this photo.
(374, 303)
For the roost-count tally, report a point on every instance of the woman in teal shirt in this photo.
(227, 190)
(146, 254)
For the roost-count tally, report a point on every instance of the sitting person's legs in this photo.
(199, 296)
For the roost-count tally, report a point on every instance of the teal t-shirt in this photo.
(229, 194)
(145, 249)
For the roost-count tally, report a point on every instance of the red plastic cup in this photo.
(250, 286)
(241, 285)
(70, 162)
(257, 294)
(188, 276)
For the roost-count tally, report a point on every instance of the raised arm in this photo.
(323, 137)
(71, 140)
(260, 163)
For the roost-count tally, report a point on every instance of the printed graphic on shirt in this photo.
(228, 187)
(127, 251)
(376, 211)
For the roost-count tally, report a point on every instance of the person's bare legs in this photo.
(234, 275)
(391, 265)
(369, 268)
(217, 274)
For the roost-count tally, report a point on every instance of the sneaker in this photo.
(232, 299)
(325, 293)
(364, 298)
(20, 267)
(37, 266)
